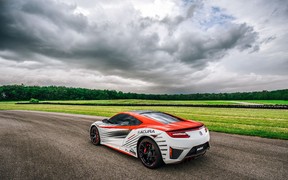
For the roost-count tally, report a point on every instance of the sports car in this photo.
(153, 137)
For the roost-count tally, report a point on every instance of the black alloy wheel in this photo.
(94, 135)
(149, 153)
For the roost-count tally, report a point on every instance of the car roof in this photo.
(140, 115)
(144, 114)
(152, 122)
(144, 111)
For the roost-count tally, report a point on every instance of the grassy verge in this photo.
(142, 101)
(205, 102)
(267, 123)
(268, 102)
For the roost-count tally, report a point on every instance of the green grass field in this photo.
(269, 102)
(206, 102)
(270, 123)
(140, 101)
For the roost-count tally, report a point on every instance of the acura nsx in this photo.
(152, 136)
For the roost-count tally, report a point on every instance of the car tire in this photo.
(149, 153)
(94, 136)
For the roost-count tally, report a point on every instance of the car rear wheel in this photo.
(94, 135)
(149, 153)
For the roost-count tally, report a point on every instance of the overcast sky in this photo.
(151, 46)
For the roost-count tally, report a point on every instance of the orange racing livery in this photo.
(152, 136)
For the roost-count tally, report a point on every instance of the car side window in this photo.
(132, 121)
(124, 120)
(117, 119)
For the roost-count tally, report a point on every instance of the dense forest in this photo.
(22, 92)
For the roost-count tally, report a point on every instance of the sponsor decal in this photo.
(149, 131)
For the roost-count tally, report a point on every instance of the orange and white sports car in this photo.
(153, 137)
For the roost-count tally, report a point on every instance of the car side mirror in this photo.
(105, 121)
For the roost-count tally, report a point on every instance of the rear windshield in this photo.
(162, 117)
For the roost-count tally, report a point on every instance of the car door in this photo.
(114, 134)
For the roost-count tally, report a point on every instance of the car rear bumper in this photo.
(198, 150)
(183, 148)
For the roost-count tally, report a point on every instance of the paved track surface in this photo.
(38, 145)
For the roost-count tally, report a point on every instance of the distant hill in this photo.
(23, 93)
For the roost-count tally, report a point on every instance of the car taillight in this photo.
(178, 134)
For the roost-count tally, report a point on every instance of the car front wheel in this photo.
(94, 135)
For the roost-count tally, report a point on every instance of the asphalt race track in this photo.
(39, 145)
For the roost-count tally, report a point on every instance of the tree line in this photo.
(24, 93)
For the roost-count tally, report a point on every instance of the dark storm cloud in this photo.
(119, 41)
(198, 51)
(53, 29)
(37, 26)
